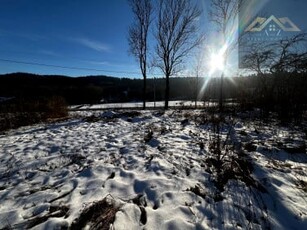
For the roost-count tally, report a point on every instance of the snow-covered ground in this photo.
(158, 104)
(154, 167)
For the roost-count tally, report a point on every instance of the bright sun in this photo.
(217, 62)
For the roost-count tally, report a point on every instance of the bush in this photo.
(56, 107)
(22, 112)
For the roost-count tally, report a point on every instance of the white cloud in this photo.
(95, 45)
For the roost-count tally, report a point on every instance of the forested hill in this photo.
(90, 89)
(93, 89)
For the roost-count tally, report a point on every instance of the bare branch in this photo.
(287, 55)
(138, 35)
(176, 33)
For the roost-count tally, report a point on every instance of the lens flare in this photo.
(217, 62)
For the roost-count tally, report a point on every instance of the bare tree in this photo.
(198, 69)
(224, 15)
(285, 56)
(138, 36)
(290, 54)
(177, 34)
(258, 59)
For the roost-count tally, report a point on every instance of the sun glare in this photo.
(217, 62)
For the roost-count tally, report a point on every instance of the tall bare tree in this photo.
(224, 15)
(177, 34)
(290, 54)
(138, 36)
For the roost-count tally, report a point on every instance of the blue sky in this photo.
(88, 34)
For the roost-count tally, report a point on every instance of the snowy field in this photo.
(135, 105)
(153, 170)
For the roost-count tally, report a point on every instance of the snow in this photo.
(157, 156)
(157, 104)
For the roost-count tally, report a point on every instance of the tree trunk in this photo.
(166, 92)
(144, 92)
(196, 91)
(221, 93)
(222, 83)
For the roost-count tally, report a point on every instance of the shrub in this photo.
(56, 107)
(22, 112)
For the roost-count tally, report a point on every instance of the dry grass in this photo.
(99, 215)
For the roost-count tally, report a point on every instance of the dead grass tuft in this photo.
(100, 215)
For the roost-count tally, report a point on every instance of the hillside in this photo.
(91, 89)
